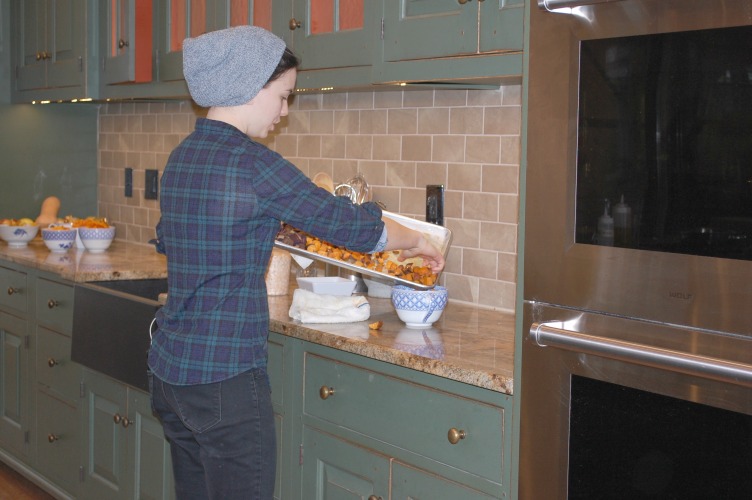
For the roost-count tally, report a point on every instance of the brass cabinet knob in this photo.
(294, 24)
(52, 438)
(126, 422)
(51, 362)
(12, 290)
(462, 2)
(325, 392)
(122, 43)
(117, 418)
(455, 435)
(374, 497)
(52, 303)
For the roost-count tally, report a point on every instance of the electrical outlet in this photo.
(151, 185)
(128, 182)
(435, 204)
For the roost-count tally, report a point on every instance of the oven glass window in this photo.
(627, 443)
(664, 157)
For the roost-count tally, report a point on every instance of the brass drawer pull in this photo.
(117, 418)
(52, 438)
(325, 392)
(126, 422)
(52, 303)
(12, 290)
(294, 24)
(51, 362)
(374, 497)
(122, 43)
(455, 435)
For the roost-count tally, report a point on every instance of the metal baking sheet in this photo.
(440, 236)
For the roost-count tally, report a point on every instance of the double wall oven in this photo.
(637, 346)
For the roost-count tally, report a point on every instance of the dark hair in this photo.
(288, 61)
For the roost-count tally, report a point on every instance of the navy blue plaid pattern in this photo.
(223, 197)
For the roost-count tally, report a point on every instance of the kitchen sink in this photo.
(111, 321)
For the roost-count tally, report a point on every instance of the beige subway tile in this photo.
(500, 179)
(372, 121)
(482, 149)
(164, 124)
(498, 237)
(171, 141)
(400, 174)
(359, 147)
(510, 150)
(433, 121)
(430, 173)
(509, 206)
(413, 202)
(387, 147)
(343, 170)
(417, 98)
(334, 100)
(333, 146)
(309, 145)
(453, 204)
(286, 145)
(480, 206)
(360, 100)
(497, 294)
(506, 268)
(416, 148)
(465, 233)
(480, 263)
(453, 262)
(182, 123)
(373, 171)
(388, 99)
(389, 196)
(502, 120)
(449, 148)
(512, 95)
(322, 122)
(345, 122)
(484, 97)
(464, 177)
(155, 142)
(450, 97)
(308, 101)
(402, 121)
(127, 108)
(462, 288)
(149, 124)
(298, 122)
(466, 120)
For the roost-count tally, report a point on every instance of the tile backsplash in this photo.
(401, 141)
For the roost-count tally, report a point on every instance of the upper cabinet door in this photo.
(178, 20)
(423, 29)
(332, 33)
(126, 44)
(244, 12)
(51, 43)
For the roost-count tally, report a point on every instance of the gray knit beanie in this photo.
(229, 67)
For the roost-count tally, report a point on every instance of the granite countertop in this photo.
(468, 344)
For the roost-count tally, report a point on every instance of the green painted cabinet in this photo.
(49, 49)
(126, 41)
(16, 368)
(126, 455)
(57, 397)
(401, 424)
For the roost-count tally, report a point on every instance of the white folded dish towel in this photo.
(309, 307)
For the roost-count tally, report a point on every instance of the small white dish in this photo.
(327, 285)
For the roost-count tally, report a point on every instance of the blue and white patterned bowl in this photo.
(59, 240)
(18, 236)
(419, 308)
(96, 239)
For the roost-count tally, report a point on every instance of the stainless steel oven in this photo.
(637, 346)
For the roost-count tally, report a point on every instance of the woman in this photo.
(223, 197)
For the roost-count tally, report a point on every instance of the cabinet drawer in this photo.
(54, 367)
(13, 291)
(409, 416)
(58, 441)
(54, 303)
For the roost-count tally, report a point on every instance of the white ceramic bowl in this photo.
(96, 239)
(419, 308)
(59, 240)
(378, 288)
(18, 236)
(327, 285)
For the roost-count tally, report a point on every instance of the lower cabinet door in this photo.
(14, 386)
(411, 483)
(150, 450)
(58, 441)
(333, 468)
(106, 466)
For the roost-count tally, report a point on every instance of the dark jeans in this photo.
(221, 436)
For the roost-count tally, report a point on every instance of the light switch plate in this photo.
(435, 204)
(151, 185)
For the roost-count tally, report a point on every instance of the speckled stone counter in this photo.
(468, 344)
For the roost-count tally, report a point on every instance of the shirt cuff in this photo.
(381, 245)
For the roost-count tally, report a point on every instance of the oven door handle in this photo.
(725, 371)
(554, 5)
